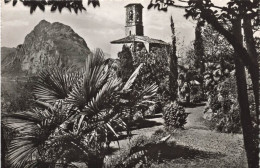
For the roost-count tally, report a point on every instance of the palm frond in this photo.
(149, 92)
(43, 104)
(30, 135)
(131, 79)
(146, 95)
(33, 129)
(95, 77)
(21, 151)
(27, 121)
(95, 59)
(100, 100)
(112, 130)
(55, 83)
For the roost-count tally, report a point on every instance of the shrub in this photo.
(174, 116)
(155, 70)
(227, 122)
(225, 108)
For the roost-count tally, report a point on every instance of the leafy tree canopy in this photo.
(76, 5)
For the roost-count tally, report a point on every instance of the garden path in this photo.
(198, 145)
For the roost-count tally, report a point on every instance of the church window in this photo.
(131, 15)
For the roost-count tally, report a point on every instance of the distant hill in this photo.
(7, 52)
(48, 44)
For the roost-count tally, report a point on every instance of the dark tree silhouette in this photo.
(173, 65)
(199, 53)
(75, 5)
(126, 67)
(246, 120)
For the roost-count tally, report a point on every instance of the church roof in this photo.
(137, 4)
(134, 38)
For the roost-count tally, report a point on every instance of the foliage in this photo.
(154, 70)
(218, 63)
(219, 58)
(141, 151)
(173, 66)
(16, 96)
(126, 63)
(199, 47)
(75, 5)
(223, 103)
(155, 67)
(189, 85)
(217, 48)
(199, 62)
(257, 43)
(227, 122)
(214, 75)
(55, 83)
(80, 114)
(174, 116)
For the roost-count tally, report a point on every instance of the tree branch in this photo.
(243, 54)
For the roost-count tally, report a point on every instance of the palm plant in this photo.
(80, 110)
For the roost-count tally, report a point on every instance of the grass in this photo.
(197, 146)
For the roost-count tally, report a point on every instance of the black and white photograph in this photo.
(130, 83)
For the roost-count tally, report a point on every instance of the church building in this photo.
(134, 30)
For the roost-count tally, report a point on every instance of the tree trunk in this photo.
(173, 65)
(246, 121)
(251, 48)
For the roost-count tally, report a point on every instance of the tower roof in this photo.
(136, 4)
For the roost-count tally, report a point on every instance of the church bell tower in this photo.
(134, 20)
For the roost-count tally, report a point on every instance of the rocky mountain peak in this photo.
(46, 45)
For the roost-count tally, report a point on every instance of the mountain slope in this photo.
(48, 44)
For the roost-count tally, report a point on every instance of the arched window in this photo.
(130, 33)
(131, 15)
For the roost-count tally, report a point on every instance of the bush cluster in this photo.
(174, 116)
(227, 122)
(155, 70)
(223, 103)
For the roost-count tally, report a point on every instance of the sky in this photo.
(98, 26)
